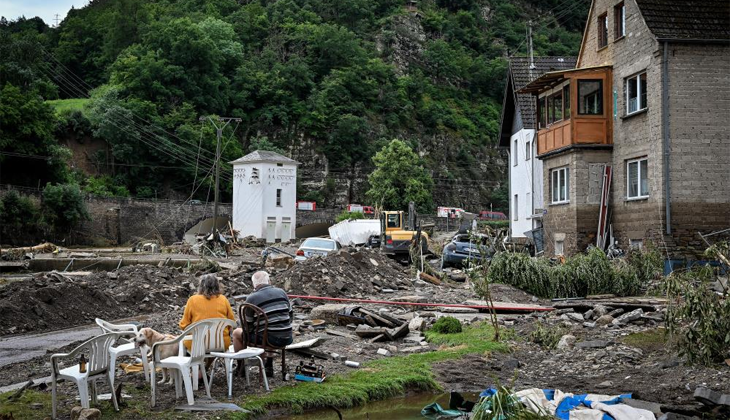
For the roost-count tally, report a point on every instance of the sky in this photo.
(46, 9)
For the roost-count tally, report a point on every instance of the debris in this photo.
(573, 316)
(79, 413)
(307, 344)
(352, 364)
(566, 342)
(604, 320)
(628, 317)
(417, 324)
(384, 352)
(279, 262)
(711, 398)
(429, 278)
(605, 384)
(593, 344)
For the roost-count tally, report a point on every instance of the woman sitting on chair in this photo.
(208, 303)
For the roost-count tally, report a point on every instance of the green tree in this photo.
(263, 143)
(18, 216)
(63, 207)
(398, 178)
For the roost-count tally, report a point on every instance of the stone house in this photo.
(517, 136)
(646, 112)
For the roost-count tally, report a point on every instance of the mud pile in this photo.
(346, 273)
(53, 301)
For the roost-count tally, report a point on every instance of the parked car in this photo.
(492, 215)
(463, 249)
(316, 246)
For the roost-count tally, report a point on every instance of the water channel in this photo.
(401, 408)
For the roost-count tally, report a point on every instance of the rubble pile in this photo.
(349, 272)
(53, 300)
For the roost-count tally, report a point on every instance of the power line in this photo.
(68, 77)
(181, 154)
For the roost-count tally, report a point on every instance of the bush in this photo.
(698, 319)
(18, 216)
(447, 325)
(63, 206)
(581, 275)
(104, 186)
(346, 215)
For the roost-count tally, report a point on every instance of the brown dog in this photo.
(148, 337)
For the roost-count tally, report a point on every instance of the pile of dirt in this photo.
(345, 273)
(52, 300)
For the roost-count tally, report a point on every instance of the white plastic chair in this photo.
(214, 343)
(126, 349)
(181, 366)
(98, 366)
(241, 355)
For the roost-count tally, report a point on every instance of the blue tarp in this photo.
(568, 403)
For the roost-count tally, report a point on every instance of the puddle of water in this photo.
(403, 408)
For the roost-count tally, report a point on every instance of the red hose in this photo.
(447, 305)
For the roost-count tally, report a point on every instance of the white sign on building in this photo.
(264, 196)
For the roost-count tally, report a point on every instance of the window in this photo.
(515, 217)
(528, 150)
(393, 221)
(558, 106)
(635, 93)
(590, 97)
(514, 154)
(559, 185)
(619, 21)
(637, 178)
(542, 111)
(566, 102)
(559, 247)
(278, 198)
(550, 110)
(602, 31)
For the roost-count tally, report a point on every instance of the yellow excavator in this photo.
(398, 233)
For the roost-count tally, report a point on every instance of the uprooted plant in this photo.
(581, 275)
(698, 317)
(504, 404)
(545, 336)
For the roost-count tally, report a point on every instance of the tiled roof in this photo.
(687, 19)
(265, 156)
(521, 74)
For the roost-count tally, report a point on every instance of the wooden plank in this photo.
(340, 334)
(311, 352)
(379, 319)
(429, 278)
(371, 321)
(365, 332)
(401, 331)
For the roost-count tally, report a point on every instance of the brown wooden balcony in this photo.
(573, 108)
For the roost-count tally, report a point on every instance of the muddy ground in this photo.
(643, 366)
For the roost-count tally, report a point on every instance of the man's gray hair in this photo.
(260, 278)
(209, 286)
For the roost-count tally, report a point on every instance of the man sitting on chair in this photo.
(275, 304)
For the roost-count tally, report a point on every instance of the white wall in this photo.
(254, 200)
(525, 182)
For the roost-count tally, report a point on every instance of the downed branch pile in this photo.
(346, 273)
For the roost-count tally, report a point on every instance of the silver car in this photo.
(316, 246)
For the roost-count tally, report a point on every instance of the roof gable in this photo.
(265, 156)
(519, 75)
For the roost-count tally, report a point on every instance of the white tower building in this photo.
(264, 196)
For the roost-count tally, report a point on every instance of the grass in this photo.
(375, 380)
(68, 105)
(378, 379)
(647, 340)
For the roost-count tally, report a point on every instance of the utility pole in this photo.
(57, 19)
(220, 124)
(529, 45)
